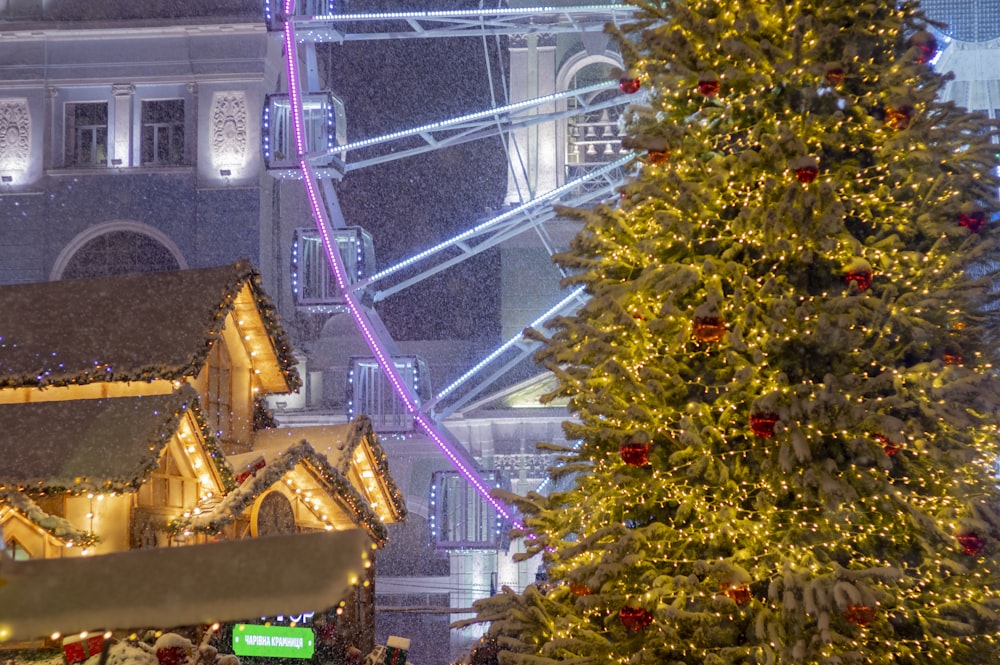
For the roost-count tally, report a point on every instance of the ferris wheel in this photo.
(304, 138)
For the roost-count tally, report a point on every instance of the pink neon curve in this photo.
(340, 275)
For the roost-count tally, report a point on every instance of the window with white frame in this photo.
(87, 134)
(162, 133)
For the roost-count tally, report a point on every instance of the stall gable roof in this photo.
(136, 327)
(87, 445)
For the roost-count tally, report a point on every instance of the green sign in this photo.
(272, 641)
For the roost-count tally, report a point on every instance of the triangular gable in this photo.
(19, 513)
(136, 327)
(326, 497)
(88, 445)
(354, 451)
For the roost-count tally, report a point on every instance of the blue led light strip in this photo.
(340, 276)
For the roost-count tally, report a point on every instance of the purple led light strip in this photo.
(340, 275)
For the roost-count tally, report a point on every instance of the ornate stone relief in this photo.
(15, 134)
(229, 128)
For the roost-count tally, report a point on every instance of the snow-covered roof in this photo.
(87, 445)
(338, 487)
(127, 327)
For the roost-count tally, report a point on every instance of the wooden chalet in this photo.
(131, 416)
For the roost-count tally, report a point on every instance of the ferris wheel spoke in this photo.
(470, 127)
(597, 185)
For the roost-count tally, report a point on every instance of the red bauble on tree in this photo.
(762, 423)
(859, 272)
(806, 169)
(635, 618)
(860, 615)
(834, 74)
(708, 329)
(630, 82)
(740, 594)
(899, 116)
(926, 46)
(634, 449)
(579, 589)
(972, 217)
(656, 157)
(952, 357)
(708, 84)
(972, 543)
(888, 445)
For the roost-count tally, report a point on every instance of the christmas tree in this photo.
(782, 381)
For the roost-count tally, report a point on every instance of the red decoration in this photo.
(806, 174)
(171, 655)
(709, 329)
(890, 446)
(972, 543)
(657, 157)
(578, 589)
(740, 594)
(629, 83)
(899, 117)
(860, 615)
(834, 74)
(251, 469)
(77, 649)
(635, 618)
(862, 277)
(972, 217)
(762, 424)
(634, 450)
(709, 85)
(952, 358)
(926, 46)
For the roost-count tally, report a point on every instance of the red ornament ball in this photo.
(834, 74)
(890, 447)
(806, 174)
(860, 615)
(629, 83)
(739, 594)
(972, 217)
(863, 278)
(972, 543)
(657, 157)
(578, 589)
(635, 618)
(762, 424)
(899, 117)
(634, 450)
(709, 329)
(926, 46)
(952, 358)
(709, 85)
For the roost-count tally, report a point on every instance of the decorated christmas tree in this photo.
(782, 381)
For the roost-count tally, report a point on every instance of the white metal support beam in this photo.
(340, 28)
(471, 127)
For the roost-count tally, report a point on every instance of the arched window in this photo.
(592, 137)
(119, 253)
